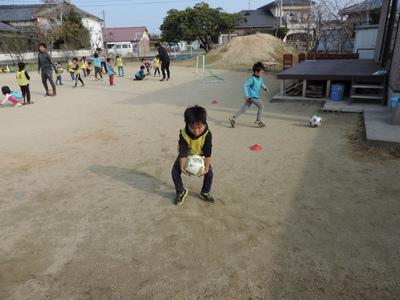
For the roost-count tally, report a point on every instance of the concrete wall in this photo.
(31, 57)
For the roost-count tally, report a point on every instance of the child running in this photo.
(23, 82)
(70, 65)
(110, 71)
(140, 74)
(8, 96)
(120, 63)
(195, 138)
(251, 90)
(77, 72)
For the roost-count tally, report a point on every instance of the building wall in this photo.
(96, 36)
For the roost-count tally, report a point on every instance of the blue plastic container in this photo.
(394, 101)
(337, 92)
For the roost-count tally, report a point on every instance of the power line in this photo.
(115, 3)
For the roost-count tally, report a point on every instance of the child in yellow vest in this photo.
(84, 66)
(77, 72)
(58, 74)
(195, 138)
(120, 63)
(69, 69)
(23, 82)
(156, 65)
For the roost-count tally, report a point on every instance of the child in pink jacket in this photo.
(9, 96)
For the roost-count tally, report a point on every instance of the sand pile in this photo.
(246, 50)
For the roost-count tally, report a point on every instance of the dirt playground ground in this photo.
(86, 198)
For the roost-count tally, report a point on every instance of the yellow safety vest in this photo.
(22, 80)
(195, 146)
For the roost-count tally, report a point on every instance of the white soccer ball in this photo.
(315, 121)
(194, 164)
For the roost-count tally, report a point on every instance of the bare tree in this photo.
(332, 28)
(15, 45)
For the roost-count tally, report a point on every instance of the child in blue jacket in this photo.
(251, 90)
(140, 74)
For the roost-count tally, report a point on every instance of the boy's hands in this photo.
(184, 172)
(246, 98)
(203, 173)
(266, 89)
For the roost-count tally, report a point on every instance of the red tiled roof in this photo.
(123, 34)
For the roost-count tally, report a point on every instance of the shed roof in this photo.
(123, 34)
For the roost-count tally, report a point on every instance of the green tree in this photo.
(198, 23)
(281, 32)
(73, 33)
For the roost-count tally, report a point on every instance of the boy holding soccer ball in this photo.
(251, 90)
(195, 138)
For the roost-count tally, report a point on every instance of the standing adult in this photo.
(45, 68)
(164, 61)
(103, 58)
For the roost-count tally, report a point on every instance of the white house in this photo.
(19, 16)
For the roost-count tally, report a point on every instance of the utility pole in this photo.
(105, 31)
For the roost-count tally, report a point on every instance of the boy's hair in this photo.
(98, 49)
(157, 45)
(117, 56)
(43, 44)
(258, 66)
(142, 67)
(157, 56)
(195, 114)
(75, 59)
(108, 59)
(58, 63)
(21, 65)
(96, 55)
(5, 90)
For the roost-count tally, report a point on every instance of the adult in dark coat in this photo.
(45, 68)
(164, 61)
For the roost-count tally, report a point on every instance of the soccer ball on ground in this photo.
(50, 92)
(194, 164)
(315, 121)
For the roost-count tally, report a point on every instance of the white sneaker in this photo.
(18, 105)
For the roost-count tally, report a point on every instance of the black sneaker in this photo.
(259, 123)
(232, 120)
(163, 79)
(207, 198)
(180, 198)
